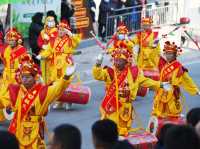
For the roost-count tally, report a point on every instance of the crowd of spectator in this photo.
(105, 136)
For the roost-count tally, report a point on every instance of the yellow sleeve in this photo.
(4, 99)
(147, 82)
(100, 74)
(135, 39)
(55, 91)
(74, 44)
(47, 52)
(76, 40)
(188, 84)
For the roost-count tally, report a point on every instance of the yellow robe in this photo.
(126, 114)
(10, 68)
(148, 56)
(58, 59)
(168, 103)
(28, 128)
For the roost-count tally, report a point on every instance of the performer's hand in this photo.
(69, 33)
(99, 59)
(166, 86)
(70, 70)
(38, 57)
(46, 37)
(44, 47)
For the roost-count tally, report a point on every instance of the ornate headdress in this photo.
(12, 33)
(146, 21)
(64, 24)
(26, 66)
(122, 29)
(172, 47)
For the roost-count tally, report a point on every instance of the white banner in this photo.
(24, 12)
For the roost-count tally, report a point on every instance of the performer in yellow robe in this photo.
(12, 54)
(117, 103)
(49, 32)
(149, 48)
(30, 100)
(60, 50)
(168, 103)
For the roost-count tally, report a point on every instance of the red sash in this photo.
(145, 40)
(25, 106)
(169, 69)
(109, 102)
(16, 53)
(60, 45)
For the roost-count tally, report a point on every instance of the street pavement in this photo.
(83, 116)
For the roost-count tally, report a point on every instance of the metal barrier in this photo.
(162, 15)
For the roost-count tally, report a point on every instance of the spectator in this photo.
(161, 135)
(53, 14)
(181, 137)
(193, 116)
(92, 9)
(8, 140)
(104, 10)
(35, 28)
(123, 145)
(67, 10)
(104, 134)
(65, 136)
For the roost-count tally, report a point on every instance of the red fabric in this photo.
(13, 92)
(110, 72)
(181, 71)
(134, 72)
(43, 94)
(40, 41)
(161, 63)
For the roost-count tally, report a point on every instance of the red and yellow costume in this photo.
(30, 107)
(149, 52)
(168, 103)
(60, 51)
(121, 90)
(12, 56)
(47, 34)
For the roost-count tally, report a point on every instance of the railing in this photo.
(161, 14)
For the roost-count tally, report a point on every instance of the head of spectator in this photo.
(123, 145)
(181, 137)
(52, 14)
(197, 128)
(161, 135)
(65, 136)
(8, 140)
(37, 18)
(193, 116)
(104, 134)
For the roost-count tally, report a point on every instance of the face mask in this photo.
(51, 24)
(121, 37)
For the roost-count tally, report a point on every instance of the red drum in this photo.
(155, 123)
(142, 91)
(78, 94)
(153, 74)
(142, 140)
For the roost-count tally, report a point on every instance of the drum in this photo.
(155, 123)
(141, 140)
(153, 74)
(78, 94)
(8, 113)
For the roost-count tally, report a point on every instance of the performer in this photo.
(30, 100)
(167, 103)
(49, 31)
(149, 48)
(60, 50)
(12, 54)
(122, 82)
